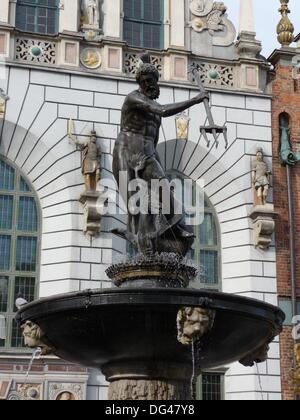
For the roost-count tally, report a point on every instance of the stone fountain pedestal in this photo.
(131, 333)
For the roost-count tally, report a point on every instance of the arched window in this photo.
(206, 249)
(19, 249)
(143, 23)
(39, 16)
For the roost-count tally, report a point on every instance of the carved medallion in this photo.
(201, 7)
(90, 58)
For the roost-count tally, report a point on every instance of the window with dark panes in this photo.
(39, 16)
(210, 387)
(19, 250)
(143, 23)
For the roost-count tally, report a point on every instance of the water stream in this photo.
(193, 378)
(35, 356)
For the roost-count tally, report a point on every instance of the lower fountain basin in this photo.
(133, 333)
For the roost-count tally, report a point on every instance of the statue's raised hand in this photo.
(201, 96)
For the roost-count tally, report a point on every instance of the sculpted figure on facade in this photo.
(90, 162)
(193, 323)
(3, 99)
(261, 177)
(35, 338)
(90, 14)
(135, 154)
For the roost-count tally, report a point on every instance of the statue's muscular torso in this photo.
(139, 125)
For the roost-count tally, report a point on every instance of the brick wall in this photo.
(286, 98)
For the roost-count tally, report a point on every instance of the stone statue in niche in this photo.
(93, 13)
(90, 163)
(90, 19)
(91, 172)
(262, 214)
(3, 99)
(90, 13)
(260, 177)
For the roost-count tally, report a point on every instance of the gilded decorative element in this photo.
(182, 126)
(285, 28)
(90, 58)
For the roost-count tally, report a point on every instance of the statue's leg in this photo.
(260, 195)
(265, 194)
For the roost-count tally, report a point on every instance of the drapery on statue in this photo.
(261, 177)
(135, 152)
(93, 12)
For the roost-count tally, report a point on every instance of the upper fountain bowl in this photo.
(129, 332)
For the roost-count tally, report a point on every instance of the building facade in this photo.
(285, 120)
(66, 69)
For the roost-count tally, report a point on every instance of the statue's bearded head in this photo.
(147, 77)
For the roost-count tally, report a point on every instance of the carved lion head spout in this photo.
(35, 338)
(194, 323)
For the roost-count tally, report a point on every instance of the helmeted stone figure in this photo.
(135, 153)
(261, 177)
(90, 164)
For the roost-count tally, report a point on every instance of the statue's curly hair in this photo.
(145, 69)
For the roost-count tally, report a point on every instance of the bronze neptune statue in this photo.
(135, 153)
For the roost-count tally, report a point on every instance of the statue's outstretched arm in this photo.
(148, 105)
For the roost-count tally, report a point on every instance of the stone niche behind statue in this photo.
(262, 213)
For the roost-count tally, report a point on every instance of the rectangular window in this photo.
(6, 211)
(27, 217)
(3, 294)
(210, 387)
(38, 16)
(17, 336)
(7, 177)
(25, 288)
(5, 242)
(209, 263)
(26, 254)
(143, 23)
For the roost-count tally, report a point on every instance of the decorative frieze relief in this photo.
(66, 391)
(131, 63)
(35, 51)
(215, 75)
(207, 15)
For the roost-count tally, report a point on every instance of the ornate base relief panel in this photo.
(39, 389)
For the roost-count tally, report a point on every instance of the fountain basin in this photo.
(131, 333)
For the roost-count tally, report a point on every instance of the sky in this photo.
(266, 17)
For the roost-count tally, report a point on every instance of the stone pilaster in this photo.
(112, 19)
(69, 16)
